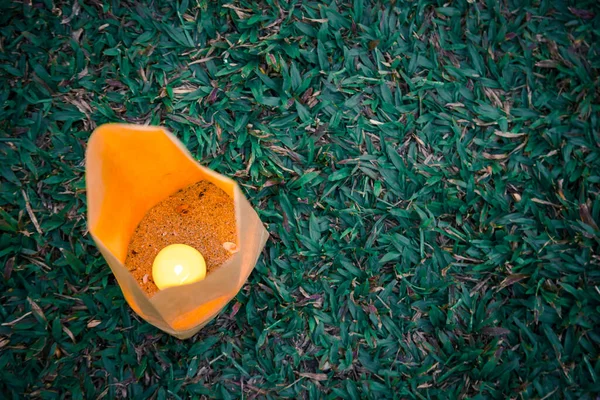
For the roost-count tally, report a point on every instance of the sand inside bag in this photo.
(200, 215)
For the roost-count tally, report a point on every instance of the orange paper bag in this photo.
(131, 168)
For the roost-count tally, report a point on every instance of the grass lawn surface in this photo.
(429, 173)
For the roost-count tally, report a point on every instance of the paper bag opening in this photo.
(129, 169)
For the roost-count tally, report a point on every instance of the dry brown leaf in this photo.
(74, 12)
(184, 89)
(539, 201)
(83, 73)
(511, 280)
(495, 156)
(36, 309)
(235, 309)
(509, 135)
(8, 268)
(493, 97)
(242, 13)
(31, 214)
(583, 14)
(201, 60)
(304, 293)
(69, 333)
(546, 64)
(586, 217)
(17, 320)
(454, 105)
(77, 34)
(93, 323)
(316, 377)
(318, 20)
(479, 122)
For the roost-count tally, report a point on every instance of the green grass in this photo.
(429, 172)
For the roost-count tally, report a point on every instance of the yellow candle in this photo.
(178, 264)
